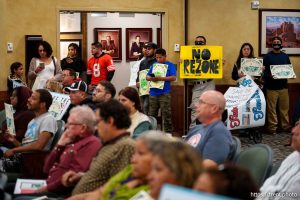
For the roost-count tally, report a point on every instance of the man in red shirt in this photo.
(100, 66)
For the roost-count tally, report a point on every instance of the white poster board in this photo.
(9, 112)
(159, 70)
(282, 71)
(134, 69)
(59, 105)
(28, 186)
(246, 105)
(252, 66)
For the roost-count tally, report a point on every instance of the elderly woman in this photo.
(174, 163)
(133, 178)
(140, 122)
(44, 67)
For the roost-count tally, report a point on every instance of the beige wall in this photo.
(31, 17)
(230, 23)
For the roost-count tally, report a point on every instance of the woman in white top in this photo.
(44, 67)
(140, 122)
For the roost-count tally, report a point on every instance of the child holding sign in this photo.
(161, 74)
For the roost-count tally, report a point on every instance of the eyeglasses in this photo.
(69, 124)
(204, 102)
(64, 75)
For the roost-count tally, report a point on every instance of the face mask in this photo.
(276, 46)
(199, 43)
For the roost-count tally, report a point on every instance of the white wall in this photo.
(122, 74)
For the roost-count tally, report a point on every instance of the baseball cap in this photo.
(79, 85)
(150, 45)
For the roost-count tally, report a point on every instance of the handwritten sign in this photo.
(201, 62)
(246, 105)
(252, 66)
(282, 71)
(59, 105)
(9, 112)
(144, 84)
(159, 70)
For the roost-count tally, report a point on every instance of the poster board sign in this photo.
(144, 84)
(9, 112)
(282, 71)
(246, 105)
(59, 105)
(28, 186)
(159, 70)
(201, 62)
(134, 69)
(252, 66)
(178, 193)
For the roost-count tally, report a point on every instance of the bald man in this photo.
(211, 138)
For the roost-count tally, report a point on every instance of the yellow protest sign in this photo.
(201, 62)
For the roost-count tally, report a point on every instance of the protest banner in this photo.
(59, 105)
(252, 66)
(159, 70)
(144, 84)
(28, 186)
(201, 62)
(9, 112)
(246, 105)
(282, 71)
(134, 69)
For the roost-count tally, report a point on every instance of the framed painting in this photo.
(135, 39)
(111, 40)
(70, 22)
(282, 23)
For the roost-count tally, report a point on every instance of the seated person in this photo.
(174, 163)
(211, 138)
(104, 91)
(115, 154)
(22, 117)
(227, 180)
(133, 178)
(41, 129)
(140, 122)
(286, 181)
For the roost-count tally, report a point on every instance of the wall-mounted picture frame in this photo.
(64, 43)
(135, 39)
(158, 38)
(284, 23)
(111, 40)
(70, 22)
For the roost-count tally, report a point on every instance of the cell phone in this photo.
(42, 65)
(152, 75)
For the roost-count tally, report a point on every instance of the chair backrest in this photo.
(59, 132)
(258, 160)
(153, 122)
(236, 149)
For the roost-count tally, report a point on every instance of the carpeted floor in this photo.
(277, 142)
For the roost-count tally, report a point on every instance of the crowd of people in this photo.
(109, 149)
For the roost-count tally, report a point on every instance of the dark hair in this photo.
(109, 87)
(132, 94)
(161, 51)
(71, 72)
(201, 36)
(97, 44)
(233, 181)
(238, 60)
(14, 67)
(277, 38)
(75, 46)
(45, 97)
(23, 93)
(47, 48)
(114, 109)
(137, 36)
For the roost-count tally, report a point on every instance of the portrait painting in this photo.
(135, 39)
(111, 40)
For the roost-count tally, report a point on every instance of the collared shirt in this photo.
(76, 156)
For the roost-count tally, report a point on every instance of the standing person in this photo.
(44, 67)
(246, 51)
(200, 86)
(161, 98)
(15, 78)
(73, 60)
(150, 48)
(100, 66)
(276, 89)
